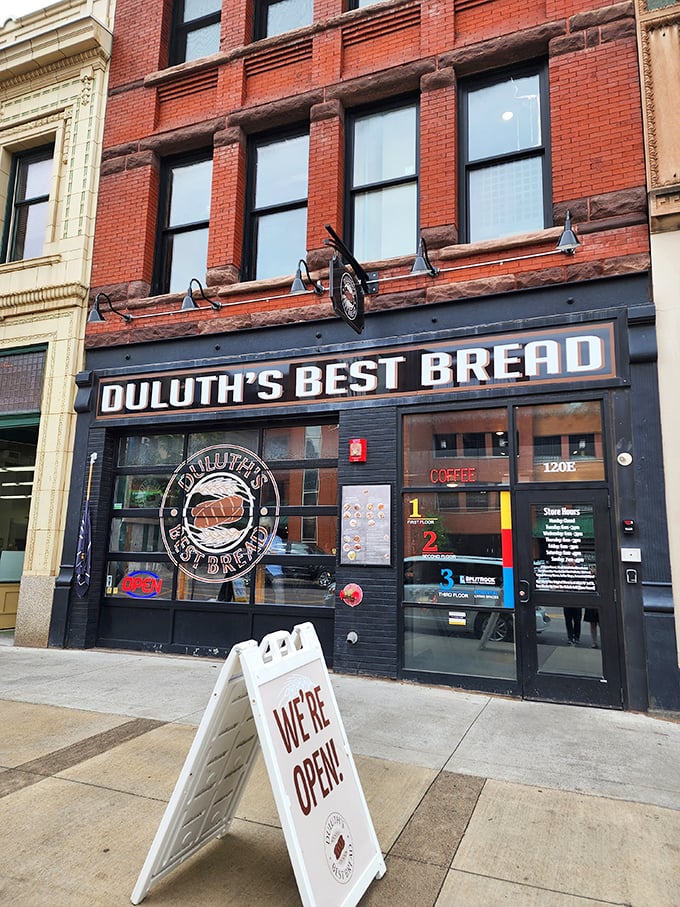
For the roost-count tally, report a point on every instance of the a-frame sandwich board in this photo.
(278, 696)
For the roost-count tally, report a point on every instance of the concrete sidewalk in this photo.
(477, 801)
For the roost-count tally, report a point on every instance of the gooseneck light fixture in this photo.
(188, 303)
(95, 315)
(422, 264)
(568, 241)
(299, 286)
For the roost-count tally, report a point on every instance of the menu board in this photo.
(565, 544)
(365, 533)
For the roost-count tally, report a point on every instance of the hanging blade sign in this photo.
(347, 295)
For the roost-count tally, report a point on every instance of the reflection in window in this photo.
(570, 643)
(136, 534)
(278, 212)
(141, 491)
(28, 203)
(299, 569)
(184, 216)
(274, 17)
(504, 154)
(459, 640)
(196, 30)
(452, 449)
(139, 580)
(150, 450)
(383, 183)
(244, 438)
(560, 442)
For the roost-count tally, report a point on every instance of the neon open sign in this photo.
(142, 584)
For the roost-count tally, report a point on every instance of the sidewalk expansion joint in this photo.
(36, 770)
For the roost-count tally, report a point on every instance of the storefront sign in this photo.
(566, 354)
(365, 525)
(229, 517)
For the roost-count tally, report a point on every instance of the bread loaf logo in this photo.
(339, 848)
(228, 514)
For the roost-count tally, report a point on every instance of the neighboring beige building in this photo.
(659, 42)
(53, 80)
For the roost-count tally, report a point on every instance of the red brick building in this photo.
(498, 410)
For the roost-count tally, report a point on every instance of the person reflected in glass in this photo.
(592, 617)
(572, 619)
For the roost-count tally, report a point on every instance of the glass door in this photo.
(566, 610)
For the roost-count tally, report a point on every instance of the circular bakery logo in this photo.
(339, 848)
(348, 296)
(219, 513)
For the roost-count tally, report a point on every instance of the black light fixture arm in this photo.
(188, 301)
(368, 284)
(317, 286)
(95, 314)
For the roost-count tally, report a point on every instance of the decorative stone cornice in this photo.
(42, 298)
(53, 50)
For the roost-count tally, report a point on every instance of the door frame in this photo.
(606, 690)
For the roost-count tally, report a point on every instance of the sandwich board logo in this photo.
(339, 848)
(219, 513)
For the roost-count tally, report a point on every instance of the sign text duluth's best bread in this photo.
(558, 355)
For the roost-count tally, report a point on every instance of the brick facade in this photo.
(316, 75)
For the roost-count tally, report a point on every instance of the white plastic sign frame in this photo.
(277, 695)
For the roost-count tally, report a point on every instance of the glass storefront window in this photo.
(247, 438)
(302, 584)
(139, 580)
(304, 442)
(299, 568)
(454, 641)
(141, 491)
(560, 442)
(308, 487)
(571, 643)
(452, 449)
(136, 534)
(458, 611)
(150, 450)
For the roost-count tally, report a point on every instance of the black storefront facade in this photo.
(448, 501)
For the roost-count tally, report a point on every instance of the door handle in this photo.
(524, 591)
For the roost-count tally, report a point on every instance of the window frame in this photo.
(351, 192)
(537, 68)
(164, 232)
(37, 154)
(252, 213)
(182, 28)
(260, 19)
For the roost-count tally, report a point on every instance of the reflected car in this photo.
(305, 572)
(471, 587)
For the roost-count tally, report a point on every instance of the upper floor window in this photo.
(27, 205)
(504, 154)
(383, 182)
(183, 223)
(196, 30)
(277, 220)
(274, 17)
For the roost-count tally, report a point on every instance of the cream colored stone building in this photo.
(53, 80)
(659, 43)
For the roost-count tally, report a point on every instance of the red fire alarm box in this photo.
(357, 450)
